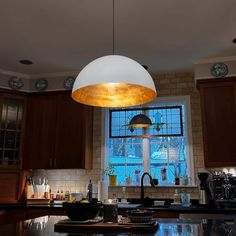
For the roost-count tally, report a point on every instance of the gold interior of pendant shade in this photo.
(113, 95)
(140, 125)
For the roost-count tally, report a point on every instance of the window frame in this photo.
(146, 160)
(143, 112)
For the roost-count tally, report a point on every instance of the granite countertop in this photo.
(45, 226)
(124, 206)
(192, 209)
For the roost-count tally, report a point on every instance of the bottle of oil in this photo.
(90, 191)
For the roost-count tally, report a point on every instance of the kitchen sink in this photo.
(128, 205)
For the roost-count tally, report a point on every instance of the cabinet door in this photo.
(40, 131)
(12, 117)
(72, 134)
(10, 186)
(218, 102)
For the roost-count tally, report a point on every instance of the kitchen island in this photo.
(45, 226)
(11, 213)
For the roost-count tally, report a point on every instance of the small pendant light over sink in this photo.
(140, 121)
(113, 81)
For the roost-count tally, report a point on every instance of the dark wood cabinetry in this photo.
(73, 143)
(218, 106)
(58, 132)
(12, 117)
(12, 126)
(10, 182)
(40, 131)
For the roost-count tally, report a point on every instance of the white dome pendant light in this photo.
(113, 81)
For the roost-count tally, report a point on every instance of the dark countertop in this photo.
(167, 208)
(45, 226)
(24, 206)
(192, 209)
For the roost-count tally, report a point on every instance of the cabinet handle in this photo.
(55, 162)
(50, 162)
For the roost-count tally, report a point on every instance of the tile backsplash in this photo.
(159, 192)
(76, 181)
(72, 180)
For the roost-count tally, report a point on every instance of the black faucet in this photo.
(142, 187)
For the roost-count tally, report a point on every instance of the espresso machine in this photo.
(223, 188)
(204, 188)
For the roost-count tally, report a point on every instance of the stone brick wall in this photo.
(176, 84)
(171, 84)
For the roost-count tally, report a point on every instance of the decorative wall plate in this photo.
(68, 82)
(41, 84)
(15, 83)
(219, 70)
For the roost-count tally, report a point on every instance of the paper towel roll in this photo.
(102, 191)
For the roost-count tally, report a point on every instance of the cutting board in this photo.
(66, 226)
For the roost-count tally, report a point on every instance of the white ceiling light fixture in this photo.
(113, 81)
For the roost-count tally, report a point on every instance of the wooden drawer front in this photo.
(9, 186)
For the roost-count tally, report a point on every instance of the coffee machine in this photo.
(204, 188)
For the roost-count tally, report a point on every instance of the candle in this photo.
(110, 211)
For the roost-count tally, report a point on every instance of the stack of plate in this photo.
(140, 216)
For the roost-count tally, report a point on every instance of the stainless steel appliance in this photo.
(204, 189)
(223, 190)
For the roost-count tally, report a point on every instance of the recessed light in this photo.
(26, 62)
(234, 40)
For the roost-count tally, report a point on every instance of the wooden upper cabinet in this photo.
(58, 132)
(40, 131)
(71, 134)
(218, 106)
(12, 120)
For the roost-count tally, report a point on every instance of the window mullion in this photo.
(146, 155)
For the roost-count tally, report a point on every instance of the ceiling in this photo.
(65, 35)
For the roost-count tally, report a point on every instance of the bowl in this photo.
(81, 211)
(140, 216)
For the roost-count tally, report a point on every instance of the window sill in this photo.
(158, 186)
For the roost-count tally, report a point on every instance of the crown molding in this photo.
(214, 59)
(37, 76)
(16, 74)
(210, 76)
(54, 74)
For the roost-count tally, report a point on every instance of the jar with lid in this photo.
(67, 196)
(177, 197)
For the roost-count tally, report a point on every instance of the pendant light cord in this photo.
(113, 25)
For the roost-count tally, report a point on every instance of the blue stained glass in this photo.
(158, 117)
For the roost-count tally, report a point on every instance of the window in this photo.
(163, 149)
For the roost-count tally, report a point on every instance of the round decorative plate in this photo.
(41, 84)
(15, 83)
(219, 70)
(68, 82)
